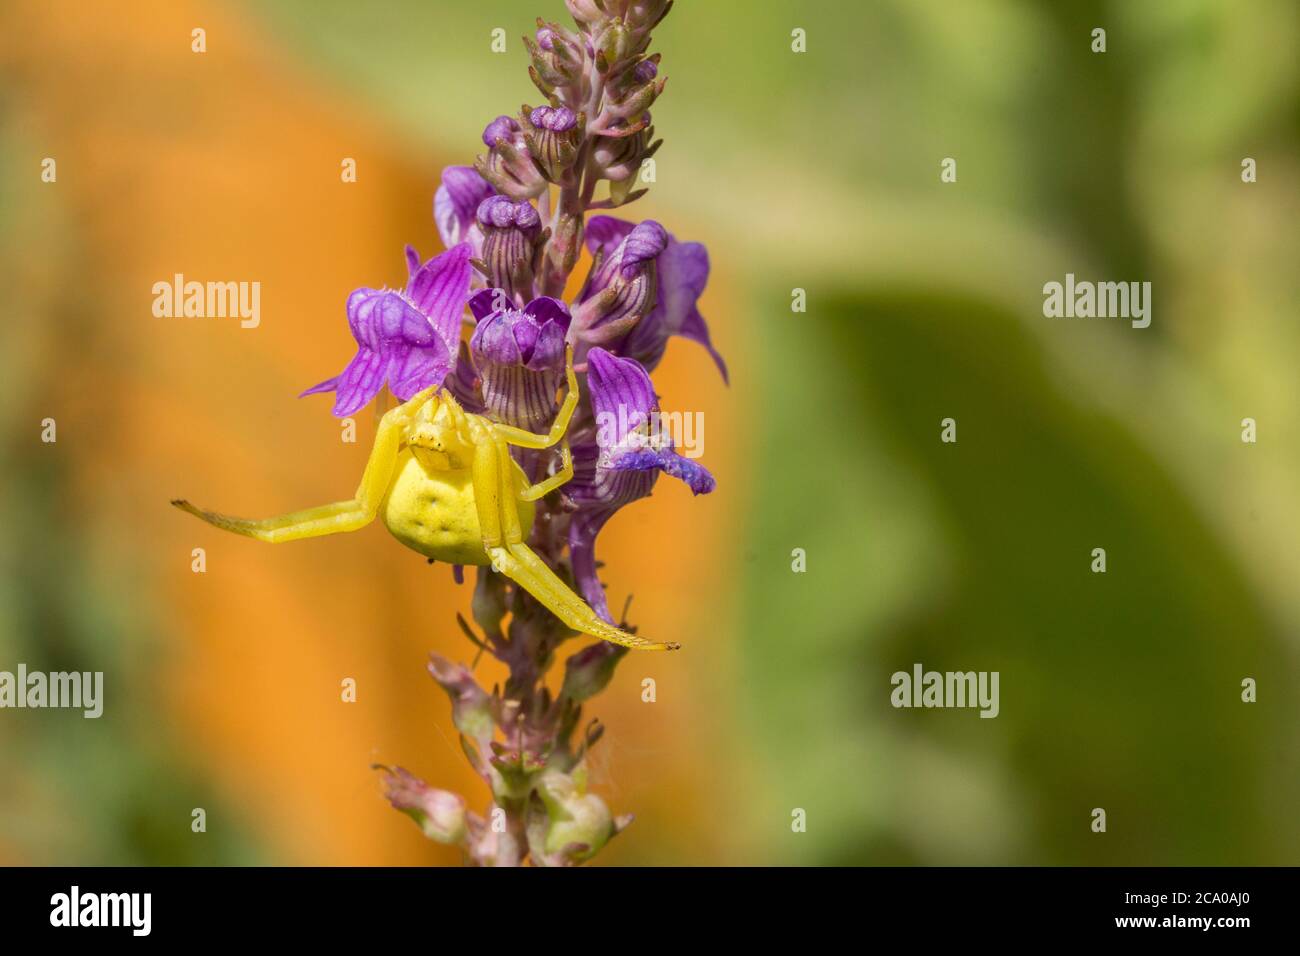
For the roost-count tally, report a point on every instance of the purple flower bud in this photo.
(681, 273)
(556, 119)
(501, 128)
(645, 71)
(553, 134)
(440, 814)
(520, 357)
(509, 165)
(621, 286)
(557, 59)
(643, 244)
(510, 238)
(503, 213)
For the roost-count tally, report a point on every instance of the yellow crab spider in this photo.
(446, 486)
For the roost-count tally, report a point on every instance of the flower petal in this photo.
(696, 476)
(494, 341)
(439, 289)
(683, 272)
(487, 301)
(695, 329)
(548, 350)
(456, 200)
(359, 382)
(414, 353)
(381, 316)
(412, 370)
(604, 233)
(464, 383)
(397, 342)
(647, 241)
(329, 385)
(622, 395)
(545, 309)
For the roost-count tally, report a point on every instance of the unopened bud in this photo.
(471, 705)
(439, 813)
(509, 165)
(553, 134)
(622, 286)
(577, 824)
(589, 671)
(510, 242)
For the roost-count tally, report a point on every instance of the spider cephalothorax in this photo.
(444, 483)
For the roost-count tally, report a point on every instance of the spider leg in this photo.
(517, 436)
(485, 474)
(308, 523)
(340, 516)
(503, 539)
(547, 485)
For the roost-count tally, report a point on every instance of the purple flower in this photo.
(407, 339)
(620, 290)
(682, 271)
(622, 464)
(456, 201)
(519, 354)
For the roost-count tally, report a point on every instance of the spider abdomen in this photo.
(432, 511)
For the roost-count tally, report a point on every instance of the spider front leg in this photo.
(503, 540)
(517, 436)
(547, 485)
(340, 516)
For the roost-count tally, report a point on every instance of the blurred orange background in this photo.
(227, 165)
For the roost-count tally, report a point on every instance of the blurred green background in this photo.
(816, 171)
